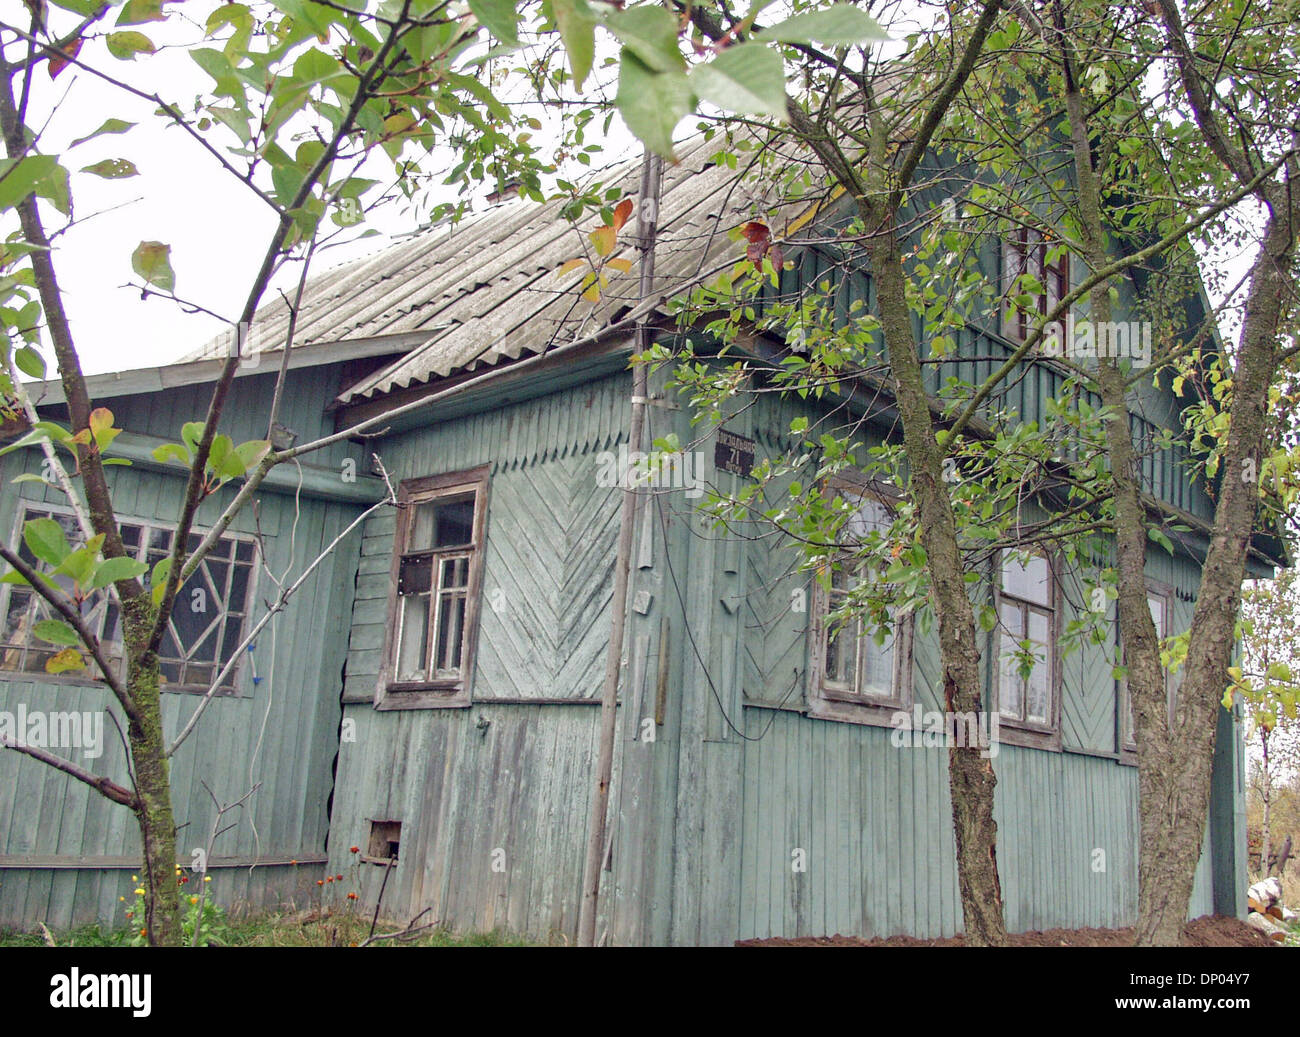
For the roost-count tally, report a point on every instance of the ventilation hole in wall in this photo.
(385, 840)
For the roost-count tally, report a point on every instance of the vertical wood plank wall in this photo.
(294, 710)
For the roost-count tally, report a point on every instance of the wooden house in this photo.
(433, 695)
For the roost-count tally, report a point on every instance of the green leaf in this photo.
(113, 169)
(577, 27)
(649, 32)
(30, 362)
(110, 570)
(151, 260)
(171, 452)
(191, 433)
(45, 539)
(56, 632)
(499, 17)
(218, 456)
(840, 25)
(110, 126)
(136, 12)
(250, 453)
(30, 477)
(652, 103)
(20, 178)
(1160, 538)
(127, 44)
(748, 80)
(81, 563)
(158, 579)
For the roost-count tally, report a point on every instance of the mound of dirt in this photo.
(1206, 931)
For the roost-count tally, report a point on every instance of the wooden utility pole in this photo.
(597, 825)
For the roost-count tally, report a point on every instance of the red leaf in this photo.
(756, 233)
(621, 213)
(58, 62)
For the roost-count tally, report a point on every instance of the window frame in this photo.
(831, 703)
(1026, 732)
(236, 685)
(440, 693)
(1033, 258)
(1126, 734)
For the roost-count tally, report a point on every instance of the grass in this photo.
(301, 929)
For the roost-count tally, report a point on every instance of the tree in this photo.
(1265, 685)
(308, 104)
(1072, 82)
(325, 112)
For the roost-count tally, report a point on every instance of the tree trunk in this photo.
(1266, 794)
(970, 777)
(153, 784)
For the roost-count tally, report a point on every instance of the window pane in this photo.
(1010, 698)
(442, 523)
(455, 573)
(413, 646)
(842, 654)
(869, 515)
(1159, 613)
(1013, 619)
(451, 628)
(1030, 581)
(454, 524)
(877, 668)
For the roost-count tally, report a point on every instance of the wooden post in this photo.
(647, 222)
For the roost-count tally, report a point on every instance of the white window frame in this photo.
(233, 684)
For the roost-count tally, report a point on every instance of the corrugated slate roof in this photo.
(486, 289)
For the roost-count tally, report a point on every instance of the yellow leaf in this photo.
(624, 265)
(68, 659)
(602, 240)
(570, 266)
(101, 418)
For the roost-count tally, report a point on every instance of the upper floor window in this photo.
(436, 577)
(1027, 696)
(206, 625)
(863, 668)
(1026, 252)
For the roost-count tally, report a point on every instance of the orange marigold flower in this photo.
(352, 896)
(354, 849)
(320, 882)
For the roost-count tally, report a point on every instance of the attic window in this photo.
(385, 841)
(437, 559)
(1032, 266)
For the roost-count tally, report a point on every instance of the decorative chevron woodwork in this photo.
(548, 581)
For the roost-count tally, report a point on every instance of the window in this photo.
(436, 577)
(862, 673)
(1027, 253)
(1026, 603)
(1159, 602)
(206, 625)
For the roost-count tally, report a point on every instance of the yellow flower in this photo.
(194, 900)
(135, 878)
(139, 892)
(123, 899)
(207, 878)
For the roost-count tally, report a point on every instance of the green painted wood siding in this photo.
(282, 733)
